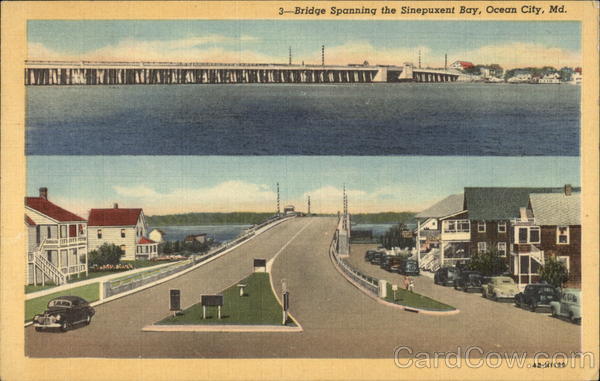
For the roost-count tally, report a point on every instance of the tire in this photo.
(572, 318)
(532, 307)
(65, 326)
(554, 314)
(495, 297)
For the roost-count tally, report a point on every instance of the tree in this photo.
(107, 254)
(488, 263)
(395, 237)
(554, 272)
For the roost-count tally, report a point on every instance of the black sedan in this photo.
(63, 312)
(469, 280)
(536, 296)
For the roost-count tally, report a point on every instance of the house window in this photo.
(534, 234)
(502, 249)
(528, 234)
(481, 227)
(562, 235)
(81, 230)
(122, 233)
(63, 231)
(72, 231)
(502, 227)
(99, 232)
(481, 247)
(565, 261)
(49, 231)
(123, 247)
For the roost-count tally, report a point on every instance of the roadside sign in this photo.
(211, 300)
(174, 300)
(286, 301)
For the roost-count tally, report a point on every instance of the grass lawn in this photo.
(34, 306)
(412, 299)
(139, 263)
(31, 288)
(257, 307)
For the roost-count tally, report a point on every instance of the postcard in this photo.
(299, 190)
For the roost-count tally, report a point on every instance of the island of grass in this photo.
(258, 306)
(414, 300)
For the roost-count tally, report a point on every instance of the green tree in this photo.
(554, 272)
(488, 263)
(107, 254)
(395, 237)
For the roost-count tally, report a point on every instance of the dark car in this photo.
(369, 254)
(469, 280)
(445, 276)
(390, 262)
(407, 267)
(536, 295)
(63, 312)
(376, 258)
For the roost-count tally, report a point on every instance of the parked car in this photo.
(376, 258)
(535, 296)
(63, 312)
(445, 276)
(569, 305)
(499, 287)
(407, 267)
(469, 280)
(369, 254)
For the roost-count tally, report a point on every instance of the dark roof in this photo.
(448, 206)
(499, 203)
(114, 217)
(51, 210)
(29, 221)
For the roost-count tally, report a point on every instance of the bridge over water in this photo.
(149, 73)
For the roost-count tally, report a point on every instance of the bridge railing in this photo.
(367, 282)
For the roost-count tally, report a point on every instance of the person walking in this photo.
(406, 282)
(411, 285)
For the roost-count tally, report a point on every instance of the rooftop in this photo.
(114, 217)
(47, 208)
(448, 206)
(556, 208)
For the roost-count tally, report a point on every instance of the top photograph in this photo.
(263, 87)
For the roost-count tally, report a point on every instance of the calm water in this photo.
(348, 119)
(377, 229)
(219, 233)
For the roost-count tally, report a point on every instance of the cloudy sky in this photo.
(182, 184)
(510, 44)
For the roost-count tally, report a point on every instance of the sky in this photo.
(508, 43)
(184, 184)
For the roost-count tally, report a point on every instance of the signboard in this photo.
(175, 300)
(260, 262)
(211, 300)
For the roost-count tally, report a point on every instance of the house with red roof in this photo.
(56, 241)
(461, 65)
(124, 227)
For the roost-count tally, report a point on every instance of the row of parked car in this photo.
(392, 263)
(536, 296)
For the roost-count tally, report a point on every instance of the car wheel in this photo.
(532, 307)
(572, 317)
(495, 297)
(64, 326)
(554, 314)
(38, 329)
(88, 319)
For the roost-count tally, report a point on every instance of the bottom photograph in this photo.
(302, 257)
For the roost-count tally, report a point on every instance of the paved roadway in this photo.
(338, 319)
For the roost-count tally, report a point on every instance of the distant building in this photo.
(126, 228)
(553, 78)
(56, 241)
(202, 238)
(288, 209)
(461, 65)
(157, 235)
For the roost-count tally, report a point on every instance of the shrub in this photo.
(488, 263)
(107, 254)
(554, 272)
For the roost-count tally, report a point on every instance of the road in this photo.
(339, 321)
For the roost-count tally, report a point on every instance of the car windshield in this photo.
(59, 303)
(547, 290)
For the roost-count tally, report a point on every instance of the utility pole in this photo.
(419, 59)
(446, 61)
(290, 61)
(278, 209)
(308, 206)
(322, 55)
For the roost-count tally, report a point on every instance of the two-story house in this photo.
(56, 241)
(123, 227)
(443, 230)
(557, 222)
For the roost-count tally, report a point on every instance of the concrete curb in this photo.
(219, 328)
(386, 303)
(114, 297)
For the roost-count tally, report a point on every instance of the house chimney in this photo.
(116, 206)
(523, 214)
(44, 193)
(568, 189)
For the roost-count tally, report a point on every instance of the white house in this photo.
(56, 241)
(126, 228)
(553, 78)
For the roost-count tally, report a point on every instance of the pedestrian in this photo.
(406, 282)
(411, 285)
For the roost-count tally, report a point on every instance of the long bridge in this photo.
(41, 73)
